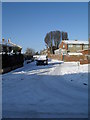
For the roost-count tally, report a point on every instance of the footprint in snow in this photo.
(84, 84)
(71, 80)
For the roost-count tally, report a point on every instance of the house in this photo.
(73, 50)
(9, 47)
(73, 45)
(10, 56)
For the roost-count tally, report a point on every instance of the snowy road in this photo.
(56, 91)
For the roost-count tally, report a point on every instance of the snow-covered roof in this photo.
(40, 57)
(5, 43)
(15, 45)
(75, 54)
(75, 42)
(10, 44)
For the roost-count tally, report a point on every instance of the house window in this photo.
(86, 46)
(63, 46)
(77, 45)
(70, 45)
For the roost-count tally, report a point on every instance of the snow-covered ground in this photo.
(58, 90)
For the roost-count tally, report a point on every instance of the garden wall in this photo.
(56, 57)
(71, 58)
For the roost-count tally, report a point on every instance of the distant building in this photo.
(74, 50)
(10, 55)
(43, 52)
(73, 45)
(9, 47)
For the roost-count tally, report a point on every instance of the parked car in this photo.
(42, 60)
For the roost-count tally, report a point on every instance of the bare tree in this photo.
(53, 39)
(30, 51)
(64, 36)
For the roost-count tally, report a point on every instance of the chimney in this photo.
(8, 40)
(3, 40)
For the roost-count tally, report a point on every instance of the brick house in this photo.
(74, 46)
(73, 51)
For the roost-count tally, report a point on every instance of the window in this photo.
(63, 46)
(77, 45)
(86, 46)
(70, 45)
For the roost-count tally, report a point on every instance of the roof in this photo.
(75, 42)
(10, 44)
(5, 43)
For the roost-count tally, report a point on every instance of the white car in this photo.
(42, 60)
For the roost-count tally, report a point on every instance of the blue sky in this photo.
(89, 19)
(27, 23)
